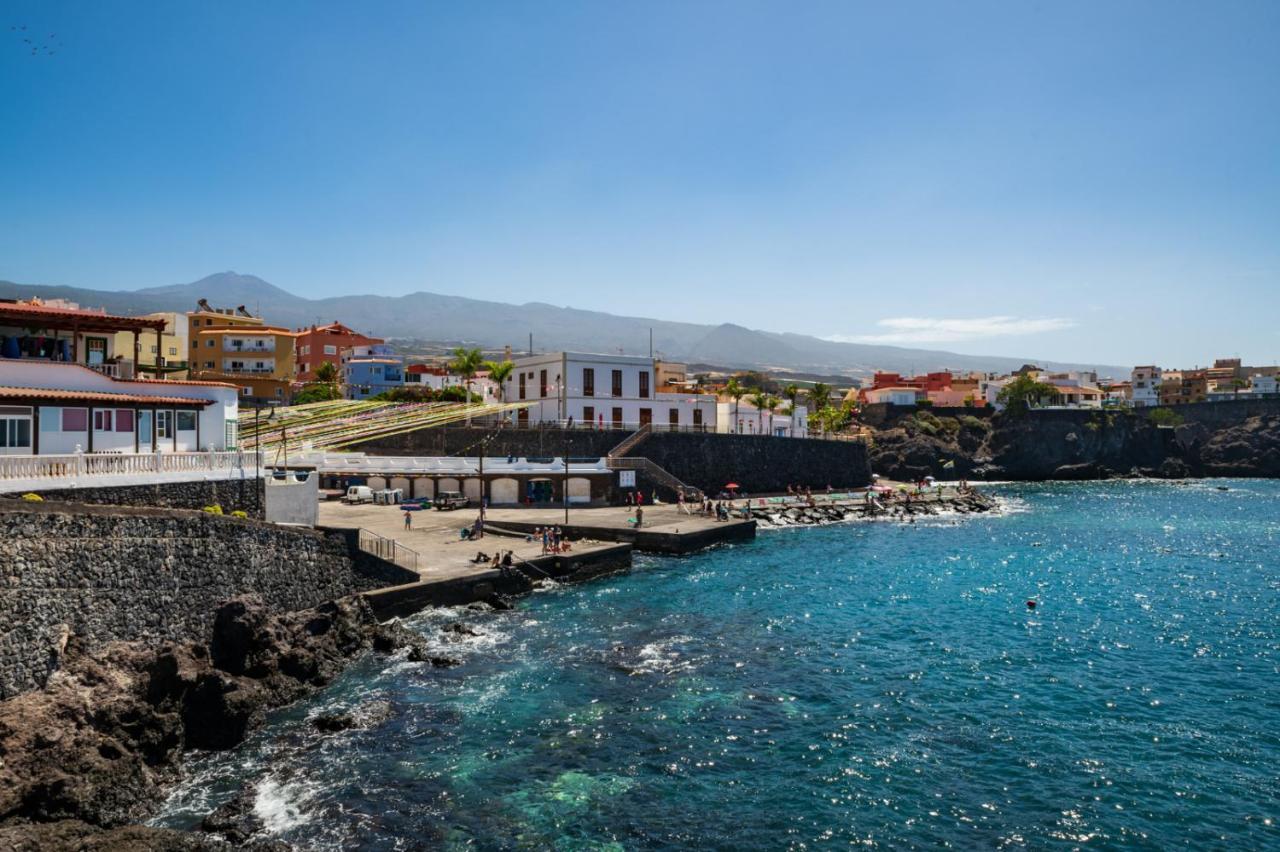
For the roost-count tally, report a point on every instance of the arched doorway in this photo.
(579, 489)
(504, 491)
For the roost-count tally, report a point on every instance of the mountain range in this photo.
(455, 319)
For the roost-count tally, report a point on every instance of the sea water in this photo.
(873, 684)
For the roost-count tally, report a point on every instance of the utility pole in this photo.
(566, 478)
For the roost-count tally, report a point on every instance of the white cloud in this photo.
(936, 330)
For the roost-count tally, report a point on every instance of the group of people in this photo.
(553, 540)
(502, 560)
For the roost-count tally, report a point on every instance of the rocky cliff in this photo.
(1075, 444)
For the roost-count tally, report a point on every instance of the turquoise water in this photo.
(870, 683)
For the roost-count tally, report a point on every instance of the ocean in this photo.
(872, 683)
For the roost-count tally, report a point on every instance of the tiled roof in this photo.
(96, 396)
(14, 309)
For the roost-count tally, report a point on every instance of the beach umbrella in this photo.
(731, 486)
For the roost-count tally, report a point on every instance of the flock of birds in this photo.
(47, 46)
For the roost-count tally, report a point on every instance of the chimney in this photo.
(506, 352)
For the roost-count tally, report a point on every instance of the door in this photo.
(15, 431)
(617, 418)
(95, 350)
(646, 416)
(146, 433)
(164, 430)
(697, 420)
(540, 491)
(673, 419)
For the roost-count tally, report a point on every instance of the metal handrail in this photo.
(389, 549)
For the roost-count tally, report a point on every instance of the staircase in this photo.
(388, 549)
(657, 473)
(632, 441)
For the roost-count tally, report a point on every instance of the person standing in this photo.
(639, 517)
(408, 520)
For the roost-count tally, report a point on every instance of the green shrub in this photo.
(968, 421)
(1164, 417)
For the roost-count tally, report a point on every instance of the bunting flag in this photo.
(339, 424)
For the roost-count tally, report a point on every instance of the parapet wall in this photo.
(151, 575)
(231, 494)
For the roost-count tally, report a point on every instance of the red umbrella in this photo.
(732, 486)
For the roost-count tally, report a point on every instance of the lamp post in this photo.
(566, 477)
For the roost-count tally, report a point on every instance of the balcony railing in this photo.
(78, 466)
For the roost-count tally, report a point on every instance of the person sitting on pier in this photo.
(480, 558)
(505, 564)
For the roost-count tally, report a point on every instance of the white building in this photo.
(1146, 386)
(751, 421)
(604, 391)
(1260, 384)
(51, 408)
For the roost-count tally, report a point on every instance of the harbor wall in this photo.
(149, 575)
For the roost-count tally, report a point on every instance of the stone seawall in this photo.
(230, 494)
(150, 575)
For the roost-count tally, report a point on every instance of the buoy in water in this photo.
(1031, 604)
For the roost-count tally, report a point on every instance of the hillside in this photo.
(435, 317)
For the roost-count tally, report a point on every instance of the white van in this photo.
(358, 494)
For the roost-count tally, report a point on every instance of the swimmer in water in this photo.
(1031, 604)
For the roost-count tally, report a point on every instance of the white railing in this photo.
(78, 465)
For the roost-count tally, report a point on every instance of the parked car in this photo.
(388, 496)
(358, 494)
(446, 500)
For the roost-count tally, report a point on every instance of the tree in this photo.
(759, 399)
(792, 393)
(735, 391)
(317, 392)
(1020, 393)
(327, 373)
(466, 363)
(820, 395)
(499, 372)
(771, 403)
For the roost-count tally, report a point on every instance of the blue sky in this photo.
(1074, 180)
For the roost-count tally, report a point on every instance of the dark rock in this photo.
(457, 628)
(332, 722)
(235, 820)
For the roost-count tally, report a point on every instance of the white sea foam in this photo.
(281, 805)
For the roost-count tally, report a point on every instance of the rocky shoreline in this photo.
(966, 503)
(1073, 445)
(89, 756)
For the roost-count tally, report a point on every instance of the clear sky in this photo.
(1071, 180)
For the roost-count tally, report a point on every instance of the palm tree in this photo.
(499, 372)
(735, 391)
(327, 374)
(792, 393)
(759, 399)
(466, 363)
(820, 395)
(771, 402)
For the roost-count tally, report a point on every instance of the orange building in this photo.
(323, 344)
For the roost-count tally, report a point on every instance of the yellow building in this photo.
(236, 347)
(169, 352)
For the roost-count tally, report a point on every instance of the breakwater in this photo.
(886, 507)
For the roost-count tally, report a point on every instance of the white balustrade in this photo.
(82, 466)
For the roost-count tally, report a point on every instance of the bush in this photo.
(968, 421)
(924, 403)
(215, 509)
(32, 498)
(1165, 417)
(239, 513)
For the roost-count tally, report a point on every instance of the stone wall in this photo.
(115, 573)
(706, 460)
(230, 494)
(884, 415)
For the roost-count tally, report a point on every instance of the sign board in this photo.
(626, 479)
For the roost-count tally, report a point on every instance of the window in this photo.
(644, 384)
(646, 416)
(155, 350)
(102, 421)
(164, 424)
(617, 418)
(124, 420)
(588, 414)
(522, 388)
(186, 421)
(15, 429)
(673, 417)
(697, 418)
(279, 391)
(330, 350)
(542, 383)
(209, 343)
(208, 365)
(173, 350)
(617, 383)
(246, 391)
(588, 382)
(75, 419)
(230, 433)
